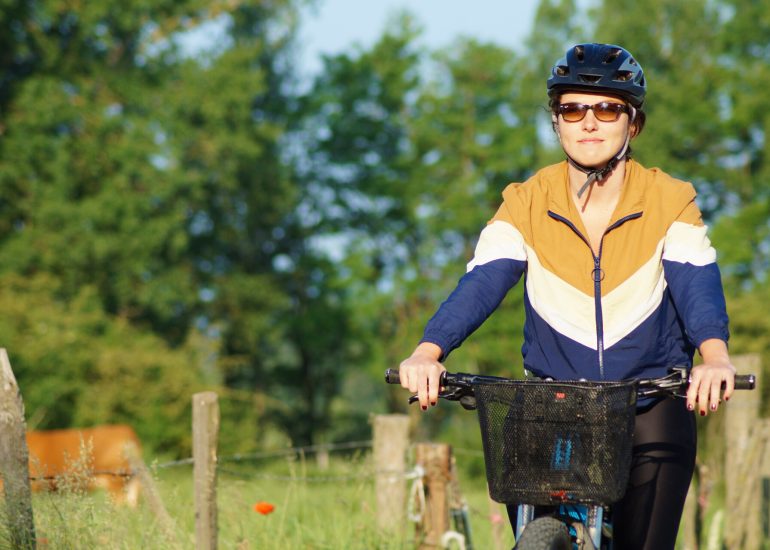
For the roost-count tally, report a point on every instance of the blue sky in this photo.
(335, 25)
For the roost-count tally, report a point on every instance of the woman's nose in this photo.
(589, 121)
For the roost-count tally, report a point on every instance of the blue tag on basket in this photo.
(562, 453)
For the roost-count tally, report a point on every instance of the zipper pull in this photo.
(598, 273)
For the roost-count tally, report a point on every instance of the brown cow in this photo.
(91, 458)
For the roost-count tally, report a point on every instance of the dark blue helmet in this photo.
(599, 68)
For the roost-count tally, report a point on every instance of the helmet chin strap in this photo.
(598, 174)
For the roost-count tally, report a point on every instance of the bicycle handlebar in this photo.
(745, 381)
(459, 385)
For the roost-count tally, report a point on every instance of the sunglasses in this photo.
(604, 111)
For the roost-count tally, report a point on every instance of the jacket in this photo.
(644, 303)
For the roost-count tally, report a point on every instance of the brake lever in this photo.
(454, 394)
(672, 384)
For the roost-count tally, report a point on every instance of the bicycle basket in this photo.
(551, 442)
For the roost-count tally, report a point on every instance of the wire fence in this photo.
(367, 474)
(264, 455)
(298, 451)
(276, 453)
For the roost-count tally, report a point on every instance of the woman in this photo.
(621, 282)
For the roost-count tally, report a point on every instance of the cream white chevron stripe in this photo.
(498, 240)
(572, 313)
(631, 303)
(687, 243)
(566, 309)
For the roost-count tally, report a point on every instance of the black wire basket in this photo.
(556, 442)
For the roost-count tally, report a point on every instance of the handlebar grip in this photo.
(392, 376)
(745, 381)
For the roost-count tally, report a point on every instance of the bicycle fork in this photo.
(589, 528)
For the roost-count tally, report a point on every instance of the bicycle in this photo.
(562, 445)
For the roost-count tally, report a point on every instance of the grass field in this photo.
(313, 509)
(330, 508)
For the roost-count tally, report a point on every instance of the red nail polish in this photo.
(433, 403)
(713, 407)
(703, 413)
(424, 407)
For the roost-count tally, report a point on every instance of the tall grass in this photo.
(315, 508)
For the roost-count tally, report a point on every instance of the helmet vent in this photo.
(561, 70)
(624, 76)
(612, 56)
(580, 53)
(591, 78)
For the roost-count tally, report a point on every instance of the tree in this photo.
(355, 212)
(742, 234)
(409, 158)
(473, 134)
(150, 179)
(77, 366)
(685, 133)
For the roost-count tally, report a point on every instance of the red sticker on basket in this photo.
(559, 495)
(560, 395)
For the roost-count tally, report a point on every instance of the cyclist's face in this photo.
(590, 141)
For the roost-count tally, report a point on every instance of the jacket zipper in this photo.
(597, 276)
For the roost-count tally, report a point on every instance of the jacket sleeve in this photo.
(497, 265)
(693, 278)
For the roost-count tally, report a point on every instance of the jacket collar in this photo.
(631, 198)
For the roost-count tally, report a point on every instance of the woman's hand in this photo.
(420, 373)
(706, 380)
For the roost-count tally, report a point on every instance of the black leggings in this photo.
(661, 469)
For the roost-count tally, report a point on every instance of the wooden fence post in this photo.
(205, 437)
(390, 440)
(744, 440)
(435, 458)
(14, 459)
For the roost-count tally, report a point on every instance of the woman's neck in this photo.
(602, 193)
(597, 204)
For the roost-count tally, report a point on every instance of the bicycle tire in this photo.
(544, 534)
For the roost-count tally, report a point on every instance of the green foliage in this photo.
(410, 153)
(68, 355)
(141, 191)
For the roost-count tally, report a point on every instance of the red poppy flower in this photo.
(263, 508)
